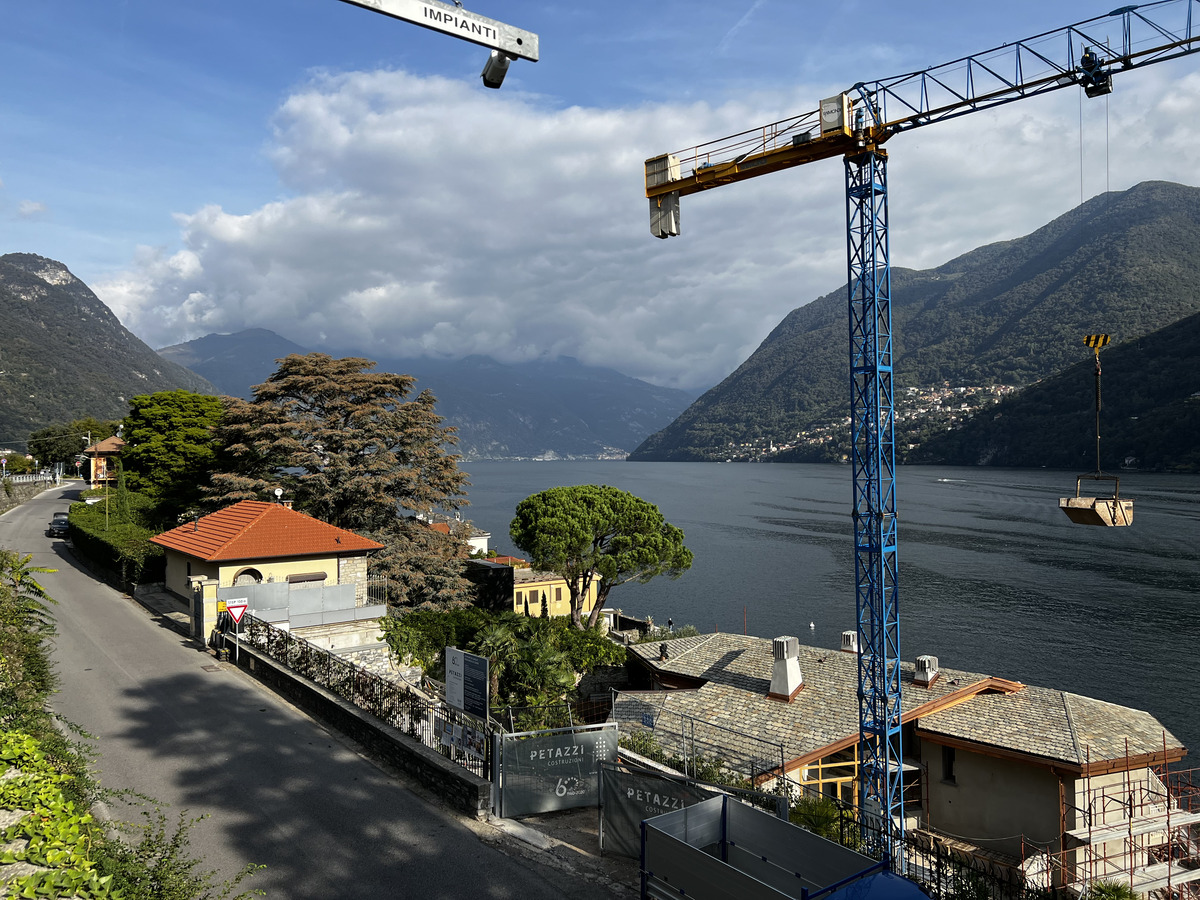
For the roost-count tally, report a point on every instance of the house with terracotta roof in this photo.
(293, 570)
(100, 460)
(1026, 777)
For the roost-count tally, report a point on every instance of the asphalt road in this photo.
(278, 790)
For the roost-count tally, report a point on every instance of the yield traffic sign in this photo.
(236, 609)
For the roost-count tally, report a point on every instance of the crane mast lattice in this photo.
(854, 125)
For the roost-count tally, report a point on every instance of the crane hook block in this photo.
(1096, 82)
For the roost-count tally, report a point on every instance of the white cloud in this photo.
(31, 209)
(424, 215)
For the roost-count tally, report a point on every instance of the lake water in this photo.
(993, 576)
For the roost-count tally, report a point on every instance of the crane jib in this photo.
(1077, 55)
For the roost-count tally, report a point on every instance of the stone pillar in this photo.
(204, 605)
(353, 570)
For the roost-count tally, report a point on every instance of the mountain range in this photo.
(1009, 313)
(556, 408)
(65, 356)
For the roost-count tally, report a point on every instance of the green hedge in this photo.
(117, 539)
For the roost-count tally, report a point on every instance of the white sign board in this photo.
(467, 682)
(457, 22)
(236, 609)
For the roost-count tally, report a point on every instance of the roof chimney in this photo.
(786, 680)
(286, 504)
(927, 671)
(849, 641)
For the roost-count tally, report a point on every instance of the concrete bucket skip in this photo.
(1097, 510)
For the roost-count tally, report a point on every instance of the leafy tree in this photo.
(171, 448)
(423, 567)
(499, 644)
(26, 677)
(353, 443)
(539, 674)
(62, 443)
(532, 661)
(353, 450)
(420, 635)
(597, 533)
(17, 464)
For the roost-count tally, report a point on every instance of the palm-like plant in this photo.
(23, 601)
(1111, 890)
(499, 644)
(540, 674)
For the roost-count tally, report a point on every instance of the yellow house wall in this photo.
(558, 597)
(993, 801)
(280, 569)
(176, 579)
(225, 573)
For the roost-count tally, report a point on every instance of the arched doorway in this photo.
(247, 576)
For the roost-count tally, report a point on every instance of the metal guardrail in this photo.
(30, 478)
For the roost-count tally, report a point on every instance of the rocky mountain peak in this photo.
(50, 271)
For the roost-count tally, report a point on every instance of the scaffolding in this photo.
(1139, 827)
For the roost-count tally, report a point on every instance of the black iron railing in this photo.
(452, 733)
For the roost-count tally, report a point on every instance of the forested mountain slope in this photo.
(65, 355)
(1010, 313)
(1149, 415)
(546, 408)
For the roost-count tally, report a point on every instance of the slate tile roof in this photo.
(253, 529)
(1006, 715)
(1055, 724)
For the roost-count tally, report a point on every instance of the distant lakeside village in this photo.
(918, 409)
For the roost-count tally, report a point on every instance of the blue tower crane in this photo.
(854, 125)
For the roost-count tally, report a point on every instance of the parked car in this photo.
(58, 525)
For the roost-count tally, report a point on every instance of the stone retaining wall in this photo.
(13, 494)
(462, 790)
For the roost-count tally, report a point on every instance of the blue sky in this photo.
(344, 179)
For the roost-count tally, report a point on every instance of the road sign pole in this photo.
(236, 609)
